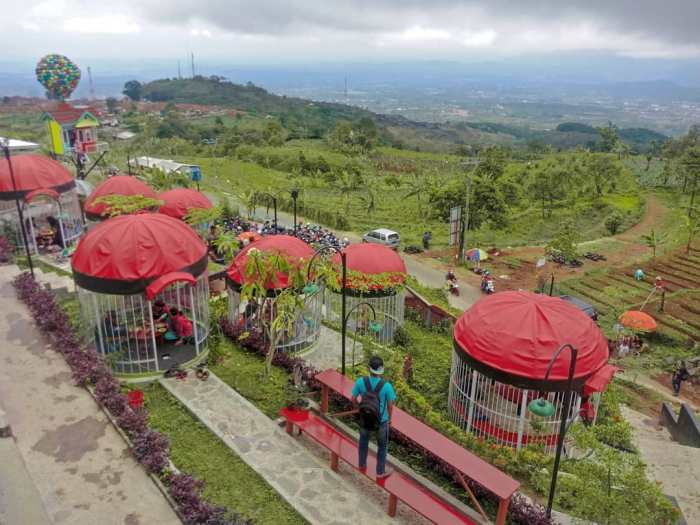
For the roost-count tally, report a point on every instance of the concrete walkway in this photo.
(80, 466)
(673, 465)
(293, 466)
(326, 352)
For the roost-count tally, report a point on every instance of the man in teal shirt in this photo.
(387, 396)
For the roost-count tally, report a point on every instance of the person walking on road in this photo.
(681, 374)
(375, 398)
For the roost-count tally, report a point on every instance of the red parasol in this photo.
(638, 321)
(125, 254)
(178, 202)
(291, 247)
(511, 336)
(117, 185)
(33, 172)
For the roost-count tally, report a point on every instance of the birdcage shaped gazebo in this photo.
(125, 185)
(143, 291)
(375, 276)
(248, 315)
(503, 346)
(49, 201)
(179, 202)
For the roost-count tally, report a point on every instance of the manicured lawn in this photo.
(229, 480)
(245, 373)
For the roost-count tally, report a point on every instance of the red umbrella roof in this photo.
(178, 202)
(638, 321)
(287, 245)
(117, 185)
(33, 172)
(124, 254)
(512, 336)
(372, 259)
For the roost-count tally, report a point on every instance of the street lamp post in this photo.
(274, 206)
(343, 290)
(6, 151)
(542, 407)
(295, 195)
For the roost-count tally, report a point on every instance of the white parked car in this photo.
(383, 236)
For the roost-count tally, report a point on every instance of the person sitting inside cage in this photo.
(180, 328)
(160, 311)
(57, 237)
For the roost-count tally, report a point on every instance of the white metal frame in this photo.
(307, 326)
(390, 310)
(496, 411)
(121, 326)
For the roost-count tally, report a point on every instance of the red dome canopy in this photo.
(372, 259)
(117, 185)
(511, 336)
(33, 172)
(178, 202)
(287, 245)
(123, 255)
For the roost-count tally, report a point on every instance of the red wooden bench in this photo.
(465, 463)
(399, 486)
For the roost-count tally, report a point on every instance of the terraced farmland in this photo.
(616, 290)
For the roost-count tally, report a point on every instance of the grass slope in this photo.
(229, 480)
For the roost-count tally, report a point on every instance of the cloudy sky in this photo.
(281, 31)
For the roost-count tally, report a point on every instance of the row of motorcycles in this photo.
(487, 283)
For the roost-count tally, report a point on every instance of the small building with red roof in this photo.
(72, 129)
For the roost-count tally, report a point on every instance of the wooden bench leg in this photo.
(502, 511)
(324, 399)
(393, 501)
(334, 461)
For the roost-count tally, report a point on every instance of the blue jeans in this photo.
(382, 445)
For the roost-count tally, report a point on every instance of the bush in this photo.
(7, 251)
(613, 222)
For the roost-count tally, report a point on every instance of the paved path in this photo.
(326, 352)
(79, 464)
(292, 466)
(673, 465)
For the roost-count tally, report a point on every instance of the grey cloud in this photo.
(674, 21)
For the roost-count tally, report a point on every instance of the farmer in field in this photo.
(375, 398)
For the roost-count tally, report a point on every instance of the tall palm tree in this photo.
(345, 185)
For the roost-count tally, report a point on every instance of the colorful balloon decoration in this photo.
(58, 74)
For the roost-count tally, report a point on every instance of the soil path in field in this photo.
(654, 214)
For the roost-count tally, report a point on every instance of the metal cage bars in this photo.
(307, 326)
(498, 411)
(390, 311)
(124, 330)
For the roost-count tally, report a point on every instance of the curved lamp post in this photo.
(274, 204)
(5, 144)
(374, 326)
(343, 259)
(542, 407)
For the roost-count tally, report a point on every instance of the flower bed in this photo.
(149, 447)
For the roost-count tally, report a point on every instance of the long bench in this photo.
(399, 486)
(464, 463)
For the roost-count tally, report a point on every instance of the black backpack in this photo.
(370, 406)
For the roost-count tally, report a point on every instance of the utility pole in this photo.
(92, 86)
(192, 56)
(465, 217)
(179, 71)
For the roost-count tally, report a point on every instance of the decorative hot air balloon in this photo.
(58, 74)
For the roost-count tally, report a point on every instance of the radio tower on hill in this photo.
(92, 86)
